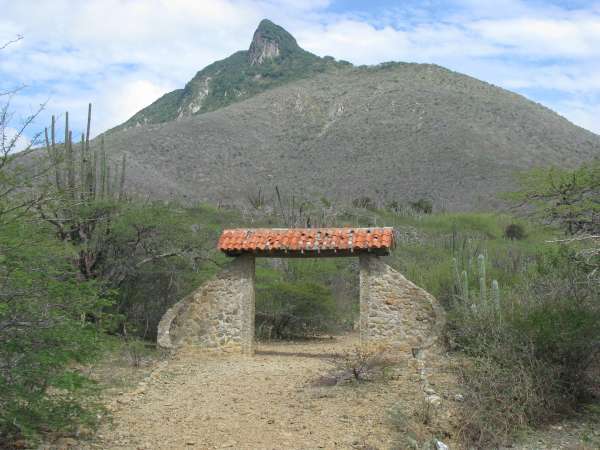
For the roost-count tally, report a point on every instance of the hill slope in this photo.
(396, 131)
(274, 58)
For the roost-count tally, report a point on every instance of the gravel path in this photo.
(268, 401)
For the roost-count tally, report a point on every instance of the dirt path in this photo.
(268, 401)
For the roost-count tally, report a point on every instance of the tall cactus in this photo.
(465, 285)
(482, 287)
(496, 294)
(91, 178)
(103, 169)
(83, 184)
(122, 181)
(487, 300)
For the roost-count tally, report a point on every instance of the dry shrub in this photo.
(504, 396)
(532, 359)
(417, 426)
(364, 362)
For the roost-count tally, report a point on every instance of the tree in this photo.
(16, 179)
(42, 332)
(42, 301)
(568, 198)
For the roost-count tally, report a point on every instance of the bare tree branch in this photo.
(6, 44)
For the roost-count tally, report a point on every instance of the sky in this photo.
(121, 55)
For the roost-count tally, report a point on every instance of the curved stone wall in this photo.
(217, 316)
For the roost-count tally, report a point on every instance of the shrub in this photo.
(532, 357)
(362, 363)
(514, 231)
(43, 331)
(288, 309)
(422, 205)
(566, 197)
(363, 202)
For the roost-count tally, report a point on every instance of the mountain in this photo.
(396, 131)
(274, 58)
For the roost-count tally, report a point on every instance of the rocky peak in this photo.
(270, 41)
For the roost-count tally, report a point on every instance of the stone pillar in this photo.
(393, 310)
(219, 315)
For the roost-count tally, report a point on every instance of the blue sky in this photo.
(123, 54)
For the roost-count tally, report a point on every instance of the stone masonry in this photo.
(220, 314)
(217, 316)
(393, 310)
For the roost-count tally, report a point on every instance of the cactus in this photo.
(496, 294)
(482, 287)
(83, 184)
(465, 285)
(456, 275)
(487, 299)
(122, 181)
(91, 178)
(103, 169)
(82, 168)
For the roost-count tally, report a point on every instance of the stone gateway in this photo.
(219, 315)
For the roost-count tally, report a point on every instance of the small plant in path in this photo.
(362, 363)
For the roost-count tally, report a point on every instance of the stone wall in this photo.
(394, 310)
(217, 316)
(220, 314)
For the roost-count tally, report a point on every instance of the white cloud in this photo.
(127, 99)
(581, 112)
(574, 37)
(123, 54)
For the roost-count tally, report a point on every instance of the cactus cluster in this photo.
(461, 284)
(92, 179)
(86, 195)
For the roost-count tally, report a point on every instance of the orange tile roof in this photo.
(306, 241)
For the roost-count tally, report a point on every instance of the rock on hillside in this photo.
(397, 131)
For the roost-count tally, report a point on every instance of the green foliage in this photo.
(528, 337)
(43, 330)
(152, 254)
(514, 231)
(292, 309)
(422, 205)
(533, 355)
(159, 253)
(568, 198)
(297, 298)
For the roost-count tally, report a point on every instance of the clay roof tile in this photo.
(306, 240)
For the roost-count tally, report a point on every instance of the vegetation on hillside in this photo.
(401, 133)
(235, 78)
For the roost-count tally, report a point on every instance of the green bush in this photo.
(156, 255)
(422, 205)
(514, 231)
(533, 356)
(43, 331)
(287, 309)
